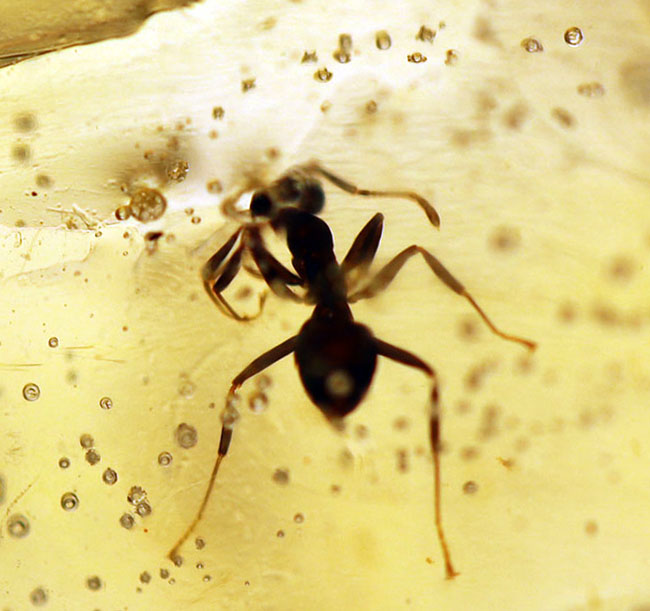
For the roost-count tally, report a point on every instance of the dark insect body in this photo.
(335, 355)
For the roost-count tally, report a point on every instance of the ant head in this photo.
(289, 191)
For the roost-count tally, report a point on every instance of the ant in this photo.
(335, 356)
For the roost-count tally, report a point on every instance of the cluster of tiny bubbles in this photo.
(64, 462)
(186, 435)
(31, 392)
(53, 342)
(86, 441)
(18, 526)
(532, 45)
(165, 459)
(147, 204)
(382, 40)
(106, 403)
(92, 457)
(38, 597)
(69, 501)
(109, 476)
(258, 402)
(94, 583)
(127, 521)
(573, 36)
(178, 170)
(281, 476)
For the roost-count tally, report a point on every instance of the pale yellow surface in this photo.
(556, 443)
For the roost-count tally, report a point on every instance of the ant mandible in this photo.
(335, 356)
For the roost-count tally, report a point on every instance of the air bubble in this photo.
(122, 213)
(591, 90)
(143, 509)
(164, 573)
(109, 476)
(147, 204)
(299, 518)
(339, 383)
(309, 56)
(145, 577)
(247, 84)
(18, 526)
(280, 534)
(573, 36)
(186, 435)
(53, 342)
(94, 583)
(258, 402)
(64, 462)
(106, 403)
(263, 382)
(127, 521)
(323, 75)
(165, 459)
(187, 389)
(532, 45)
(92, 457)
(199, 543)
(425, 34)
(38, 597)
(86, 441)
(31, 392)
(382, 40)
(451, 57)
(281, 476)
(416, 58)
(214, 186)
(218, 112)
(470, 487)
(69, 501)
(136, 495)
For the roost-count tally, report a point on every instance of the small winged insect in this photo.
(335, 355)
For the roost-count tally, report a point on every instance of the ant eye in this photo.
(261, 204)
(312, 198)
(287, 189)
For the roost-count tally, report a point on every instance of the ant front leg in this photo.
(229, 417)
(386, 275)
(314, 167)
(218, 275)
(411, 360)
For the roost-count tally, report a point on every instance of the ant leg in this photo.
(386, 275)
(363, 249)
(314, 167)
(411, 360)
(228, 419)
(276, 275)
(217, 277)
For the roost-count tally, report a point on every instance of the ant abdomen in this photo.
(337, 375)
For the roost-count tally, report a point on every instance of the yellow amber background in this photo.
(543, 193)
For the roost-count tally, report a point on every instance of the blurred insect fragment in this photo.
(335, 356)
